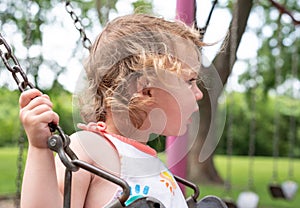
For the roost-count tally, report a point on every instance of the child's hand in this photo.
(35, 114)
(92, 126)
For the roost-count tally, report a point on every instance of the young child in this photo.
(141, 74)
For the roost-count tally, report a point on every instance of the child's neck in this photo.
(141, 136)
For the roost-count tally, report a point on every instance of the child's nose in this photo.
(198, 93)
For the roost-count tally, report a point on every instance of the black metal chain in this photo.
(21, 139)
(58, 142)
(86, 42)
(202, 30)
(12, 64)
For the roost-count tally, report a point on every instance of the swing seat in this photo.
(286, 190)
(289, 189)
(206, 202)
(247, 199)
(276, 191)
(211, 201)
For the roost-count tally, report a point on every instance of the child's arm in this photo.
(40, 187)
(89, 190)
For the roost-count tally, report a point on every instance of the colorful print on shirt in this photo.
(168, 180)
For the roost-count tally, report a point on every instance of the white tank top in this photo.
(146, 174)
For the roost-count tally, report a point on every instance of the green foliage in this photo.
(264, 118)
(9, 117)
(143, 6)
(10, 128)
(158, 142)
(62, 105)
(103, 8)
(274, 74)
(278, 54)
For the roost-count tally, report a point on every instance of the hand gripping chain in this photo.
(12, 64)
(58, 143)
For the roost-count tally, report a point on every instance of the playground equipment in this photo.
(229, 145)
(59, 142)
(248, 198)
(287, 189)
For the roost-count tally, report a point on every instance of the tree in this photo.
(274, 70)
(224, 61)
(278, 55)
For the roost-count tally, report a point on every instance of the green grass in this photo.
(8, 170)
(262, 174)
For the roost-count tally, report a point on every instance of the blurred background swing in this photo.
(248, 198)
(287, 189)
(228, 196)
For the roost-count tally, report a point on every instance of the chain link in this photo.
(12, 64)
(86, 42)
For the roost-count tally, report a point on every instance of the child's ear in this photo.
(147, 92)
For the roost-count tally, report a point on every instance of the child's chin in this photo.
(176, 133)
(181, 132)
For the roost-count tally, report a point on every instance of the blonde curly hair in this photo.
(125, 51)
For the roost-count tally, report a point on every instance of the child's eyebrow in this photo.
(189, 73)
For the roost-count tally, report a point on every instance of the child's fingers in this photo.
(48, 117)
(41, 109)
(27, 96)
(39, 116)
(29, 103)
(38, 101)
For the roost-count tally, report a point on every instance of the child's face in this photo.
(175, 101)
(176, 97)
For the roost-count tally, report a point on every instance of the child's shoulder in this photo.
(95, 149)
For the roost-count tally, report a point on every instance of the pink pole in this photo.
(185, 10)
(177, 147)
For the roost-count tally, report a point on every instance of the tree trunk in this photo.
(201, 168)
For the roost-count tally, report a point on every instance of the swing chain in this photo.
(86, 42)
(202, 30)
(12, 64)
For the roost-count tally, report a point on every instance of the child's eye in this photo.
(191, 81)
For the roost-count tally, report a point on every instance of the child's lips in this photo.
(190, 120)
